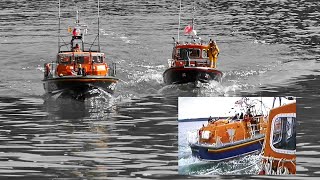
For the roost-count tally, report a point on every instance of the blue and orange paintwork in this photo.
(225, 153)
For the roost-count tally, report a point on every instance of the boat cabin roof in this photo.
(200, 46)
(81, 54)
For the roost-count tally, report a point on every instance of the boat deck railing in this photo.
(193, 62)
(52, 71)
(253, 129)
(112, 69)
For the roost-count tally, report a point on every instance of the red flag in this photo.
(74, 32)
(188, 29)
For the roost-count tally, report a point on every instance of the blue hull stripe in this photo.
(203, 153)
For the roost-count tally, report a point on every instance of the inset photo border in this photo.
(237, 135)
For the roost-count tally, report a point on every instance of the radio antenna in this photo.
(59, 30)
(179, 22)
(99, 25)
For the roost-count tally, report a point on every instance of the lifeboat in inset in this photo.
(79, 69)
(224, 139)
(279, 152)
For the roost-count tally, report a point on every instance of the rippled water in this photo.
(268, 48)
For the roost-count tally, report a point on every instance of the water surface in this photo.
(268, 48)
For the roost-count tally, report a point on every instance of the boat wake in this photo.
(212, 88)
(141, 83)
(69, 94)
(240, 166)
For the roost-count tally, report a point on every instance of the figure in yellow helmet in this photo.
(213, 52)
(76, 48)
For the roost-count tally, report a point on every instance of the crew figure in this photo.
(213, 52)
(76, 48)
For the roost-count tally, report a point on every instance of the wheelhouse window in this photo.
(64, 59)
(284, 133)
(82, 58)
(194, 53)
(79, 59)
(185, 53)
(97, 59)
(204, 53)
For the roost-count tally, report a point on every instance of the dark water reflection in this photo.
(136, 138)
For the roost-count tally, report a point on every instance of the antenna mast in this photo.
(59, 30)
(194, 9)
(179, 22)
(98, 26)
(77, 18)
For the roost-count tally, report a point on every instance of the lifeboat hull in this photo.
(79, 84)
(227, 151)
(181, 75)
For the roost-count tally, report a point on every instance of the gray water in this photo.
(268, 48)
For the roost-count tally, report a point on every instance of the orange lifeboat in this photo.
(193, 61)
(79, 69)
(190, 63)
(224, 139)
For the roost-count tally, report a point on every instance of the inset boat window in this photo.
(284, 133)
(97, 59)
(277, 131)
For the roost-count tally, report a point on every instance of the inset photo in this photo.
(237, 135)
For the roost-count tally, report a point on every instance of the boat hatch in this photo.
(283, 137)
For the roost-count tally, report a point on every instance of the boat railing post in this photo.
(215, 135)
(114, 70)
(170, 62)
(52, 72)
(244, 132)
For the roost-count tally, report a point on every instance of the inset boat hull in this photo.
(212, 153)
(79, 84)
(181, 75)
